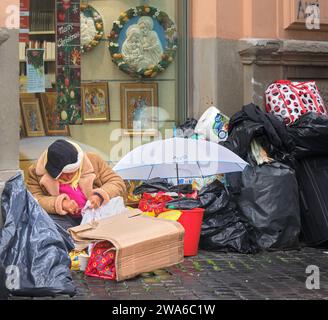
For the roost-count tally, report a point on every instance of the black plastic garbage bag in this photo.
(269, 200)
(30, 241)
(182, 188)
(3, 289)
(153, 186)
(271, 133)
(310, 135)
(187, 130)
(183, 204)
(215, 187)
(213, 197)
(226, 231)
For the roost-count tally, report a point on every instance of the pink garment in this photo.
(77, 195)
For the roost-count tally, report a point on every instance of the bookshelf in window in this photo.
(42, 16)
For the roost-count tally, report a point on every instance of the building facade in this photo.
(232, 51)
(241, 46)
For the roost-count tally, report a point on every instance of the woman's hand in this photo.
(71, 207)
(95, 202)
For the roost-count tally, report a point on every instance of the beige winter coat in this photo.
(96, 176)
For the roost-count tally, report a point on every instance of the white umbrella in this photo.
(178, 157)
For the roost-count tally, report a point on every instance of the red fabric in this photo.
(156, 204)
(102, 262)
(290, 100)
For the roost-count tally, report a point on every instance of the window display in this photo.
(105, 86)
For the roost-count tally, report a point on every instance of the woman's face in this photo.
(67, 176)
(144, 28)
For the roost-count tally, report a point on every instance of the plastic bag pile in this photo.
(33, 245)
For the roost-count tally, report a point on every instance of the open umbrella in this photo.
(178, 157)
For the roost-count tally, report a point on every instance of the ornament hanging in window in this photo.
(143, 41)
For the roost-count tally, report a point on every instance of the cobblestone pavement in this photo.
(217, 276)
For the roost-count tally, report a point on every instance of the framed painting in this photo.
(32, 117)
(51, 117)
(139, 108)
(95, 102)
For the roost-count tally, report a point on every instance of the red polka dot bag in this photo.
(290, 100)
(102, 261)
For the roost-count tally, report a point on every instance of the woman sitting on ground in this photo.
(65, 178)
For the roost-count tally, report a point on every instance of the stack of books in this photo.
(42, 15)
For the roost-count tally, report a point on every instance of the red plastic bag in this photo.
(156, 204)
(290, 100)
(102, 261)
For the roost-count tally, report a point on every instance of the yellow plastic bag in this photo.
(173, 215)
(149, 214)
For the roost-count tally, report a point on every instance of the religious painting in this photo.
(139, 108)
(95, 102)
(32, 117)
(143, 42)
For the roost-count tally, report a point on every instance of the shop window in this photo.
(131, 95)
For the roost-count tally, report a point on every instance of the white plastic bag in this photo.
(213, 125)
(113, 208)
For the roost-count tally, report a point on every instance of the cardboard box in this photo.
(143, 244)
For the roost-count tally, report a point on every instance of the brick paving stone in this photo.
(216, 276)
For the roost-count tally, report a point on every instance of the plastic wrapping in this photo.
(30, 241)
(310, 135)
(269, 200)
(114, 207)
(213, 125)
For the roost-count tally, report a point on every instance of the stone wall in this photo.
(233, 73)
(265, 61)
(9, 116)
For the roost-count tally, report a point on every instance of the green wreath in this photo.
(90, 12)
(169, 52)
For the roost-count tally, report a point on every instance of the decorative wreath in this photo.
(168, 53)
(92, 27)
